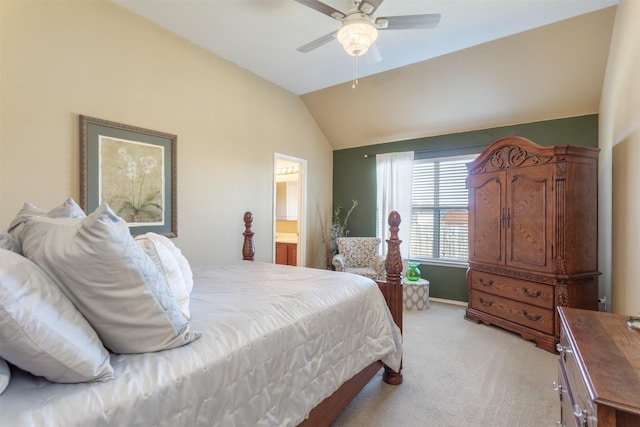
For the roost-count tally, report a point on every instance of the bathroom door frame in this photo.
(301, 254)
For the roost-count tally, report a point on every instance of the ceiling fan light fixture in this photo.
(357, 34)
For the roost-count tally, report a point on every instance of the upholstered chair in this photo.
(359, 255)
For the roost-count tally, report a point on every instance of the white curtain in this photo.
(394, 176)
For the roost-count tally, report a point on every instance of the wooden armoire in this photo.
(532, 236)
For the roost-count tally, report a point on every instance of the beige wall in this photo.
(65, 58)
(619, 239)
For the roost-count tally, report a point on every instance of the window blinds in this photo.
(439, 223)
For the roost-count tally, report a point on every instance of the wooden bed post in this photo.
(392, 287)
(248, 249)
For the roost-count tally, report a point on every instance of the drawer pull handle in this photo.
(633, 322)
(535, 294)
(581, 413)
(487, 284)
(558, 387)
(486, 303)
(530, 317)
(563, 350)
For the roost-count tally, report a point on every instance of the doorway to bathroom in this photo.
(289, 210)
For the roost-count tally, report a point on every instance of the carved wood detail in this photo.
(248, 248)
(562, 296)
(559, 258)
(511, 156)
(560, 171)
(562, 300)
(393, 263)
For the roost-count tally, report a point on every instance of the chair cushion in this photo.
(358, 251)
(365, 271)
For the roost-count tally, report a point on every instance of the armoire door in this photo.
(530, 201)
(486, 224)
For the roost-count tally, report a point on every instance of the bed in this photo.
(269, 345)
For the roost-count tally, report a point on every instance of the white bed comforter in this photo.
(276, 341)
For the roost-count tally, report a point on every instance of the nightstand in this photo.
(415, 294)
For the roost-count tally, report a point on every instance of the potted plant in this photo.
(338, 229)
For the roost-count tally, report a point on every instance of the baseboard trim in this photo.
(449, 301)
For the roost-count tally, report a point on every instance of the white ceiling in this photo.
(262, 35)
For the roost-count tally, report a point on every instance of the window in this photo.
(439, 222)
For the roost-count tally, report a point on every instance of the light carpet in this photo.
(459, 373)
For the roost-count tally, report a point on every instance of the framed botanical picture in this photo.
(133, 170)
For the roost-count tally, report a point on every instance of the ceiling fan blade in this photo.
(323, 8)
(369, 6)
(408, 22)
(320, 41)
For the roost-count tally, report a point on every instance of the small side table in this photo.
(415, 294)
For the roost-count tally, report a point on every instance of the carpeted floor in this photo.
(458, 373)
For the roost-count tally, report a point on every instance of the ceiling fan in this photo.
(359, 29)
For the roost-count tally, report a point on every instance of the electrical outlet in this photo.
(603, 300)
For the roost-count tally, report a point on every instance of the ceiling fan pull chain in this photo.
(355, 72)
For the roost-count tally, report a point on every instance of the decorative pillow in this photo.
(187, 274)
(68, 209)
(9, 243)
(110, 279)
(167, 265)
(41, 331)
(5, 375)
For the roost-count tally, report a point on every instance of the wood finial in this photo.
(248, 249)
(393, 264)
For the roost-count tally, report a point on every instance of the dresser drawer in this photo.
(524, 314)
(567, 419)
(576, 388)
(519, 290)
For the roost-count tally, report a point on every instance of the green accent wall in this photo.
(354, 177)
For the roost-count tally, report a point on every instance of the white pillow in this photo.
(41, 331)
(167, 266)
(9, 243)
(110, 279)
(5, 375)
(68, 209)
(187, 274)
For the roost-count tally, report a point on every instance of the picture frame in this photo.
(132, 169)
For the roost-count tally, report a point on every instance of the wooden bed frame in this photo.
(329, 409)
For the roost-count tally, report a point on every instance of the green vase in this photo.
(413, 273)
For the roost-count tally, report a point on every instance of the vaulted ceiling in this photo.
(487, 63)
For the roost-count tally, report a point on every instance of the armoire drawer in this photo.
(519, 290)
(524, 314)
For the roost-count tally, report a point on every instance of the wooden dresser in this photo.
(532, 236)
(599, 370)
